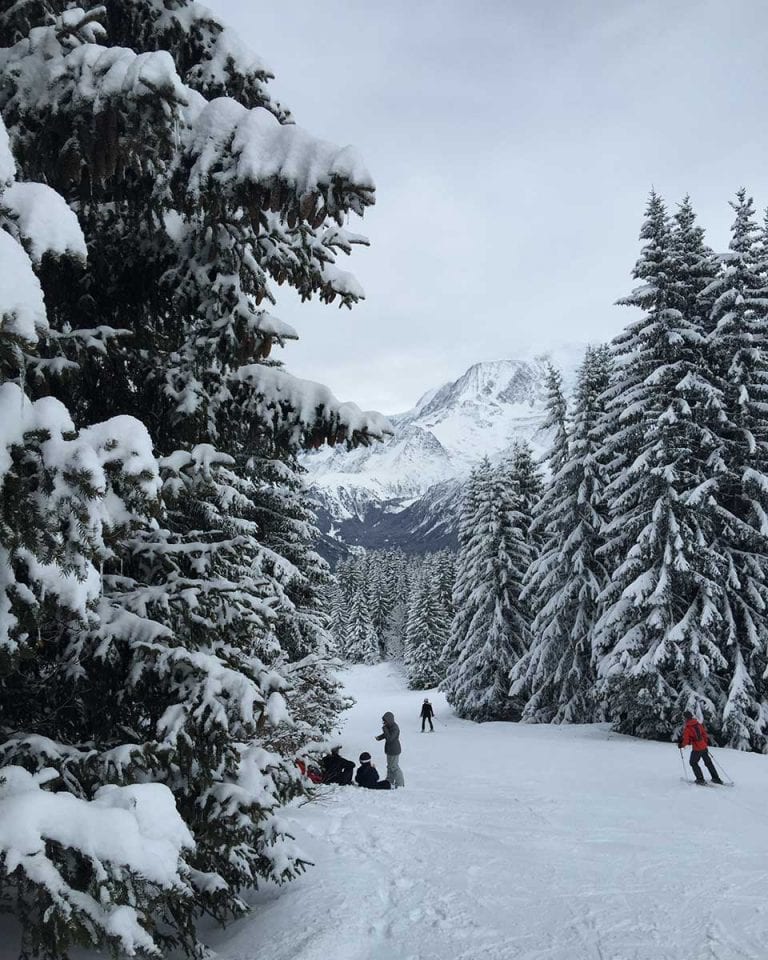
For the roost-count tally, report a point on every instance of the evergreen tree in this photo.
(738, 355)
(287, 531)
(657, 639)
(375, 563)
(428, 628)
(529, 489)
(445, 576)
(194, 194)
(491, 629)
(395, 586)
(464, 572)
(362, 642)
(91, 865)
(337, 623)
(564, 582)
(696, 268)
(556, 420)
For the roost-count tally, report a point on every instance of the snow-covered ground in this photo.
(514, 843)
(534, 842)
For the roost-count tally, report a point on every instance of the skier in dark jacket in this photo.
(695, 736)
(426, 715)
(390, 734)
(337, 769)
(368, 776)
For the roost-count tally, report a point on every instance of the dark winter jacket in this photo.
(368, 776)
(426, 710)
(337, 769)
(694, 735)
(390, 734)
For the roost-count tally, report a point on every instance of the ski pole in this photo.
(685, 772)
(723, 771)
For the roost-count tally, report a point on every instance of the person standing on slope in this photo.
(390, 734)
(695, 736)
(426, 715)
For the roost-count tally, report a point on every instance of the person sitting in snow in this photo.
(426, 715)
(390, 734)
(307, 770)
(337, 769)
(368, 776)
(695, 736)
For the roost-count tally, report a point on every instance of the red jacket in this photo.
(314, 775)
(694, 735)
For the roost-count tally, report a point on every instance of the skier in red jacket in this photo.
(695, 736)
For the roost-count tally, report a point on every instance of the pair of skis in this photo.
(707, 783)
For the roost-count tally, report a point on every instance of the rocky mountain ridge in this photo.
(406, 491)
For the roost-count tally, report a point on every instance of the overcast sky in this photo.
(513, 145)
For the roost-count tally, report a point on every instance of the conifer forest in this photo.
(174, 631)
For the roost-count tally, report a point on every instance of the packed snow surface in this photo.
(514, 841)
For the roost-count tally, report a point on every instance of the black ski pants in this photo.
(425, 720)
(345, 776)
(697, 755)
(342, 774)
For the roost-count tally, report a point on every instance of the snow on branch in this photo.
(22, 308)
(45, 222)
(47, 76)
(227, 55)
(282, 166)
(136, 831)
(319, 416)
(7, 163)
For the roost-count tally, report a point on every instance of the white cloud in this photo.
(513, 146)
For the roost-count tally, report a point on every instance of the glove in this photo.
(679, 744)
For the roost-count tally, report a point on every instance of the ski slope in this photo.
(531, 842)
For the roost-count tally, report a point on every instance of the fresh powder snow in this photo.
(517, 841)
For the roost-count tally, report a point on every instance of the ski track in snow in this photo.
(513, 841)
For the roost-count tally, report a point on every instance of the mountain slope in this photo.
(517, 842)
(405, 492)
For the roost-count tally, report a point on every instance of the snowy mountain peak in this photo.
(483, 389)
(481, 413)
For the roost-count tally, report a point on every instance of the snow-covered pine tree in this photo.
(337, 618)
(564, 582)
(464, 573)
(414, 620)
(491, 627)
(738, 355)
(428, 629)
(287, 530)
(382, 595)
(556, 419)
(656, 641)
(190, 207)
(83, 863)
(528, 485)
(394, 636)
(396, 587)
(362, 642)
(696, 268)
(444, 565)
